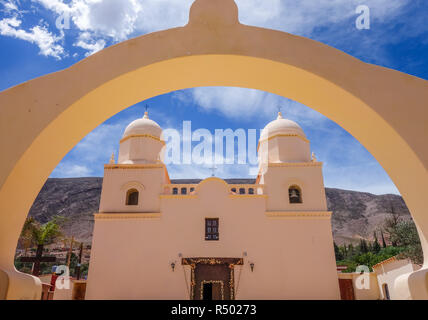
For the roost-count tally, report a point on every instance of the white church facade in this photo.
(269, 238)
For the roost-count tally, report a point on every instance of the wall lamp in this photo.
(252, 266)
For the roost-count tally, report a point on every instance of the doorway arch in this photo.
(42, 119)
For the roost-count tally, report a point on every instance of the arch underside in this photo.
(43, 119)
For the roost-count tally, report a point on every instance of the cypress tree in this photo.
(383, 239)
(350, 250)
(344, 250)
(338, 254)
(376, 246)
(363, 246)
(369, 246)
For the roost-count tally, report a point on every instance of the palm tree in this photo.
(37, 234)
(49, 232)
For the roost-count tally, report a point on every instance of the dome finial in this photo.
(146, 113)
(314, 157)
(112, 161)
(280, 113)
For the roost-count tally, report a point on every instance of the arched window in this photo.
(183, 190)
(251, 191)
(233, 190)
(175, 191)
(132, 197)
(295, 194)
(242, 191)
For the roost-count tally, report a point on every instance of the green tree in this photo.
(363, 246)
(390, 225)
(369, 246)
(344, 250)
(370, 258)
(383, 239)
(84, 269)
(337, 252)
(376, 246)
(26, 239)
(45, 234)
(406, 235)
(40, 235)
(74, 260)
(351, 251)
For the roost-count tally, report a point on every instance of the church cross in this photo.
(279, 110)
(37, 260)
(213, 169)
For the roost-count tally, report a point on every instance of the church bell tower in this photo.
(292, 176)
(134, 183)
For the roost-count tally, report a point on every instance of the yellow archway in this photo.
(42, 119)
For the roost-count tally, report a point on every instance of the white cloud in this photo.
(71, 170)
(117, 20)
(39, 35)
(100, 143)
(86, 42)
(235, 103)
(246, 104)
(9, 6)
(110, 18)
(89, 155)
(302, 17)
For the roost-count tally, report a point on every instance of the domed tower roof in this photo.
(143, 126)
(141, 142)
(281, 126)
(283, 140)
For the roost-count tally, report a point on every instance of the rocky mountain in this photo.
(355, 214)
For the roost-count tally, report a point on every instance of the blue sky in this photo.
(32, 45)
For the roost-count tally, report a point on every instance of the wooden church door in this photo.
(212, 282)
(212, 278)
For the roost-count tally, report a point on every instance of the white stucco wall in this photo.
(387, 273)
